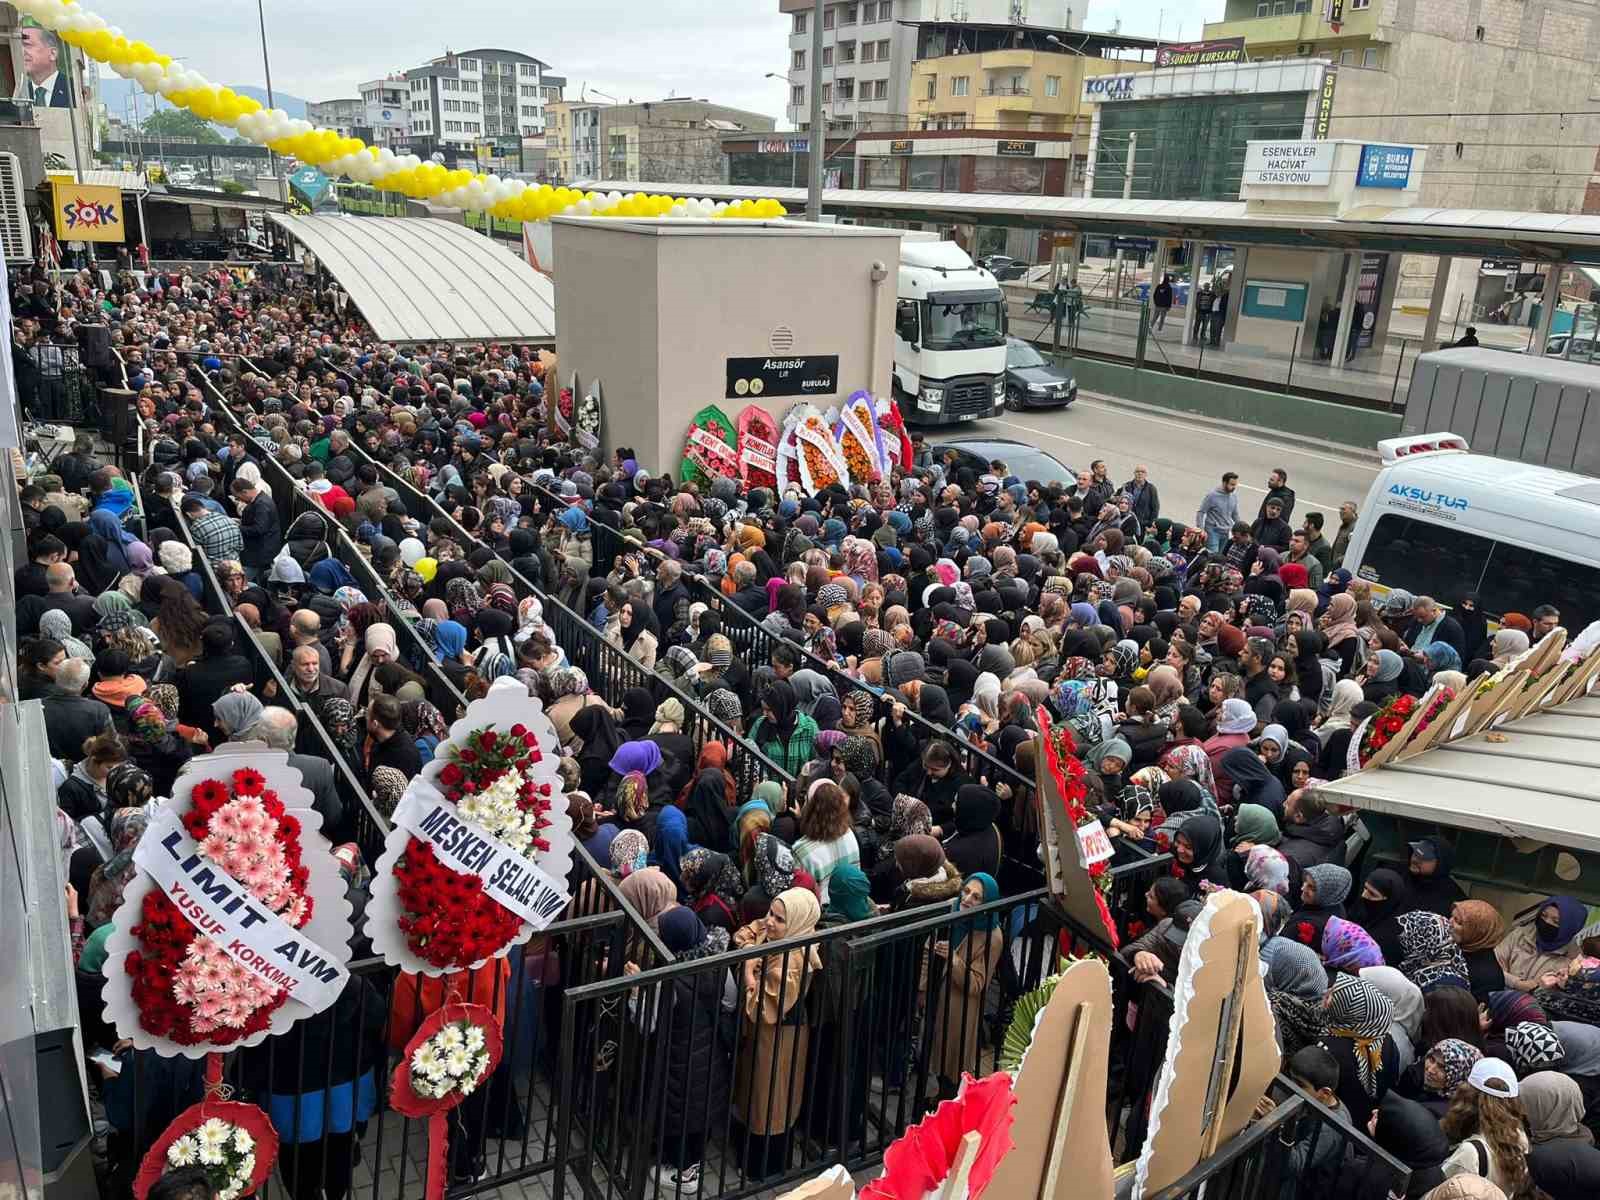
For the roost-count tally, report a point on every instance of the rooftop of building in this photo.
(966, 37)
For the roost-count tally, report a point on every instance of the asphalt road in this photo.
(1186, 459)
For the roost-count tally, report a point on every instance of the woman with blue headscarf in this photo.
(117, 539)
(956, 994)
(576, 555)
(670, 845)
(1441, 656)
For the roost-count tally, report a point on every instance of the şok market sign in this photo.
(1289, 164)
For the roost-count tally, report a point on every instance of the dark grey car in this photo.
(1033, 381)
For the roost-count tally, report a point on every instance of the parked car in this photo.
(1004, 267)
(1022, 460)
(1582, 347)
(1033, 381)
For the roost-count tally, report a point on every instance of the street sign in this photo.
(311, 183)
(1384, 167)
(774, 376)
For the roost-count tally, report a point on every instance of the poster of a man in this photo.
(45, 78)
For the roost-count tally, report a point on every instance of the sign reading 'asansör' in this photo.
(750, 378)
(1289, 164)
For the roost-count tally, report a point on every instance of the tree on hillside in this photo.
(179, 123)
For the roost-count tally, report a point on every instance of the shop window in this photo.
(1005, 175)
(926, 173)
(883, 173)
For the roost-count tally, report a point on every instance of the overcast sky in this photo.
(638, 49)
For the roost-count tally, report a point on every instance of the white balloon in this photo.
(677, 210)
(581, 208)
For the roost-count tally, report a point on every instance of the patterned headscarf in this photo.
(1190, 762)
(1455, 1060)
(1362, 1013)
(910, 816)
(110, 878)
(630, 852)
(774, 865)
(388, 785)
(1534, 1047)
(1347, 946)
(1432, 959)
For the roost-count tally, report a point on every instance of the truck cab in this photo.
(949, 335)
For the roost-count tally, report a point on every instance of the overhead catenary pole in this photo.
(816, 147)
(266, 67)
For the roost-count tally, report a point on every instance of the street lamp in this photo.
(266, 67)
(1057, 42)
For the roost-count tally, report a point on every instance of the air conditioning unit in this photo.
(16, 237)
(1303, 49)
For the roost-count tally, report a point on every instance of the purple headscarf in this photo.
(641, 756)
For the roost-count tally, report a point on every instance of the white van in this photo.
(1443, 522)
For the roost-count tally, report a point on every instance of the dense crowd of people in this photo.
(1213, 676)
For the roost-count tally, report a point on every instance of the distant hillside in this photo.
(114, 91)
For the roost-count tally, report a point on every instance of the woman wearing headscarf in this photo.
(1296, 982)
(380, 647)
(1253, 781)
(958, 981)
(1536, 952)
(774, 1046)
(714, 887)
(849, 897)
(1323, 889)
(975, 847)
(1359, 1017)
(649, 893)
(1499, 1011)
(1335, 727)
(1198, 853)
(1476, 927)
(1442, 1069)
(1562, 1160)
(1410, 1132)
(596, 728)
(236, 714)
(1377, 909)
(1408, 1006)
(783, 733)
(1382, 676)
(111, 877)
(706, 807)
(670, 844)
(1347, 948)
(1431, 957)
(685, 1064)
(634, 628)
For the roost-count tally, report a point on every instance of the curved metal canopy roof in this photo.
(421, 280)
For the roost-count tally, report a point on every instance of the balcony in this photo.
(1007, 89)
(1005, 60)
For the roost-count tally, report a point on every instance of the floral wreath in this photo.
(1384, 725)
(497, 772)
(920, 1160)
(174, 989)
(1061, 760)
(414, 1088)
(235, 1144)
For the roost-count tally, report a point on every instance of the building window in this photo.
(827, 93)
(1014, 175)
(882, 172)
(960, 85)
(933, 87)
(800, 22)
(1052, 85)
(886, 10)
(849, 17)
(880, 89)
(926, 173)
(827, 56)
(883, 50)
(797, 96)
(827, 17)
(1347, 58)
(1359, 4)
(869, 52)
(1370, 59)
(847, 52)
(469, 64)
(844, 89)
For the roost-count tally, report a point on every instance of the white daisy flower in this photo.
(210, 1156)
(183, 1152)
(458, 1061)
(242, 1141)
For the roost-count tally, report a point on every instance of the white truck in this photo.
(949, 335)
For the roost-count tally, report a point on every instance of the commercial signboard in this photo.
(783, 145)
(87, 213)
(902, 146)
(1324, 117)
(749, 378)
(1288, 164)
(1009, 148)
(1384, 167)
(1200, 54)
(1102, 89)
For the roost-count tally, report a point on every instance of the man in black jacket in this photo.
(1270, 529)
(1146, 500)
(258, 526)
(386, 744)
(62, 582)
(1311, 834)
(1278, 489)
(750, 596)
(208, 678)
(70, 717)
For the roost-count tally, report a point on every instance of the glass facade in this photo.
(1191, 147)
(786, 170)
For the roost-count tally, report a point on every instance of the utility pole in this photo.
(818, 144)
(1127, 194)
(266, 67)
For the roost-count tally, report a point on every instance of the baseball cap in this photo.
(1493, 1077)
(1426, 849)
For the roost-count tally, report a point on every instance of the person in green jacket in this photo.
(784, 733)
